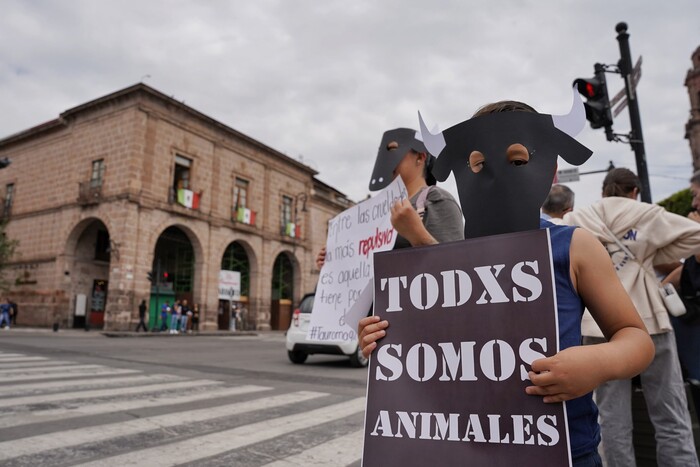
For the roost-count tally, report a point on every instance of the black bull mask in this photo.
(388, 159)
(503, 197)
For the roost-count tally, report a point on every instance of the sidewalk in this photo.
(175, 336)
(94, 332)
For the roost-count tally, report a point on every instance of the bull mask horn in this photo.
(435, 143)
(575, 120)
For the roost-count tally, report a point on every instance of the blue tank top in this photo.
(582, 413)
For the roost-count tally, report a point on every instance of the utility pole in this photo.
(636, 138)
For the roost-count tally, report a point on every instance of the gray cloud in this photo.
(324, 79)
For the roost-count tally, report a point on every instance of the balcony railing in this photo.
(89, 193)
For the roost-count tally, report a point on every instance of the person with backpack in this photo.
(639, 236)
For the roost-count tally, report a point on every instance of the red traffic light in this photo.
(165, 275)
(590, 90)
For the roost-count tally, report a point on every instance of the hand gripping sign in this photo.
(344, 290)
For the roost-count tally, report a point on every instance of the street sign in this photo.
(568, 175)
(621, 96)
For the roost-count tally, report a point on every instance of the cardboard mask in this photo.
(505, 193)
(388, 158)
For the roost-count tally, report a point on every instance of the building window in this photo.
(286, 211)
(240, 193)
(98, 171)
(9, 197)
(183, 166)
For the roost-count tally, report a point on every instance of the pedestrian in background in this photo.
(185, 313)
(142, 317)
(175, 315)
(164, 310)
(234, 317)
(686, 279)
(13, 312)
(195, 317)
(5, 314)
(559, 202)
(639, 236)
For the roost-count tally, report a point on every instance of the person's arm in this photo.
(575, 371)
(674, 277)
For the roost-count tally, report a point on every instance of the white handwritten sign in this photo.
(344, 290)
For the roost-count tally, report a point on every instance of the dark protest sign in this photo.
(447, 384)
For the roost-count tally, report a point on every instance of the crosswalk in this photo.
(62, 413)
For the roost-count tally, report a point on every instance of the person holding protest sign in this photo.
(430, 215)
(637, 236)
(504, 160)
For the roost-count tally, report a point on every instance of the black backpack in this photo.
(690, 289)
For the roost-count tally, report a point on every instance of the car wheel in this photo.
(296, 356)
(358, 360)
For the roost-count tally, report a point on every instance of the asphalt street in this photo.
(81, 398)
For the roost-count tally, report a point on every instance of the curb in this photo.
(166, 334)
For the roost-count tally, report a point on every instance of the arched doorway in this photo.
(236, 259)
(282, 292)
(90, 247)
(173, 274)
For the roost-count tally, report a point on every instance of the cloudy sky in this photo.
(321, 80)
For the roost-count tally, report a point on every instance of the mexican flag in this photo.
(245, 216)
(188, 198)
(292, 230)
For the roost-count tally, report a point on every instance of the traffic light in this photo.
(151, 279)
(165, 276)
(595, 90)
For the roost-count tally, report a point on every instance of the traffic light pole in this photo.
(636, 138)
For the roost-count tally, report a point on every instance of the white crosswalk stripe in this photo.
(66, 375)
(49, 369)
(22, 358)
(31, 364)
(94, 415)
(340, 451)
(105, 380)
(10, 355)
(90, 408)
(190, 450)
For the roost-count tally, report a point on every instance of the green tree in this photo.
(7, 249)
(678, 203)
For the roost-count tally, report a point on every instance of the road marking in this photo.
(42, 399)
(106, 371)
(82, 436)
(42, 416)
(49, 369)
(5, 355)
(99, 381)
(339, 451)
(193, 449)
(21, 358)
(8, 366)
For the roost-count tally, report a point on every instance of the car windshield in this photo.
(307, 304)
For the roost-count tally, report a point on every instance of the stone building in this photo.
(692, 128)
(136, 186)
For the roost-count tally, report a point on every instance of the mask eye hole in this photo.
(476, 161)
(392, 146)
(517, 155)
